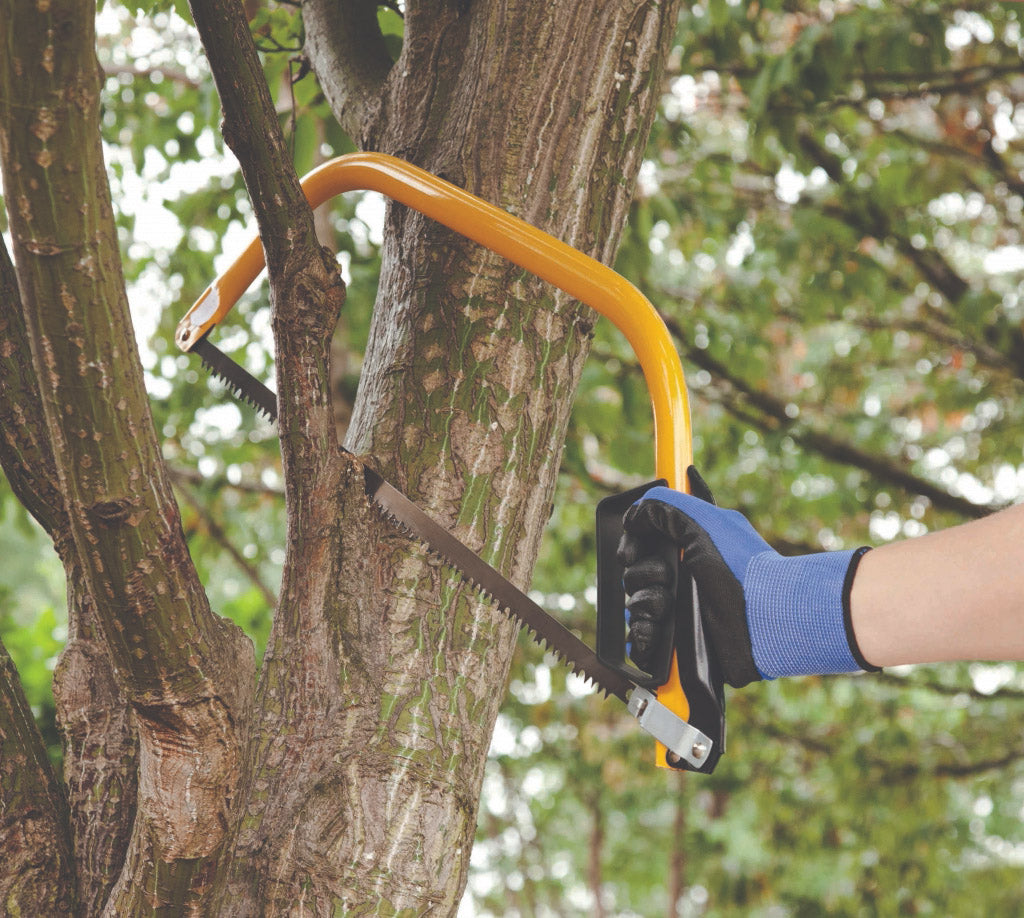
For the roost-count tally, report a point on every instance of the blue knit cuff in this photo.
(796, 615)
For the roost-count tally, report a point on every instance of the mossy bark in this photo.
(378, 698)
(99, 738)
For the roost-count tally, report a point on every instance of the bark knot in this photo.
(187, 774)
(44, 126)
(111, 514)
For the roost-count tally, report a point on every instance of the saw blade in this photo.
(240, 381)
(405, 515)
(512, 601)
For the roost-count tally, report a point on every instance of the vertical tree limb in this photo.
(768, 413)
(347, 51)
(24, 441)
(186, 673)
(100, 744)
(37, 869)
(299, 774)
(306, 287)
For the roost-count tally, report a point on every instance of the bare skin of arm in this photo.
(957, 594)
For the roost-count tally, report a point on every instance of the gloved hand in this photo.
(765, 615)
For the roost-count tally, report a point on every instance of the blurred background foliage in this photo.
(829, 219)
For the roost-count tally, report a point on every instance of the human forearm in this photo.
(957, 594)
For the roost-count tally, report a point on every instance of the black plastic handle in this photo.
(612, 614)
(699, 674)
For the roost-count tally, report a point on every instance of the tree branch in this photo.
(981, 139)
(25, 452)
(305, 282)
(872, 220)
(351, 61)
(932, 328)
(899, 86)
(250, 127)
(187, 673)
(889, 772)
(100, 743)
(772, 416)
(939, 83)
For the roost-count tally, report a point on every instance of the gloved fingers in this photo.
(695, 526)
(650, 604)
(636, 545)
(646, 570)
(647, 518)
(648, 577)
(655, 516)
(644, 640)
(649, 609)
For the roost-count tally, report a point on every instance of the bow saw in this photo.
(681, 704)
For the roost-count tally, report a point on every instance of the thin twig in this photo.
(183, 475)
(217, 533)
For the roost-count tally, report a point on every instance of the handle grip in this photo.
(611, 597)
(683, 652)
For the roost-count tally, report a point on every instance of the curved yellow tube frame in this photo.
(577, 274)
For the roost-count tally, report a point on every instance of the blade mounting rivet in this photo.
(699, 750)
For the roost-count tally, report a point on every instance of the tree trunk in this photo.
(348, 784)
(464, 401)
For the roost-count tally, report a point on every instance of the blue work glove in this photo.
(765, 615)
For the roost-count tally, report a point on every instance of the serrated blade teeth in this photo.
(238, 393)
(513, 602)
(242, 384)
(535, 635)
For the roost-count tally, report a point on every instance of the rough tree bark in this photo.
(347, 782)
(185, 673)
(99, 738)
